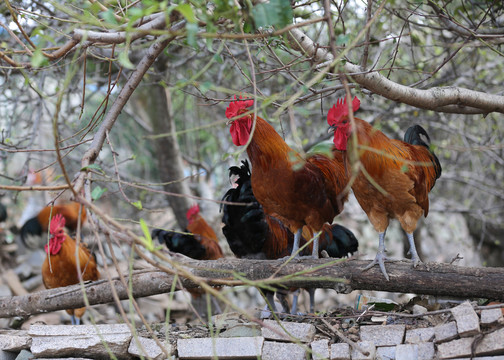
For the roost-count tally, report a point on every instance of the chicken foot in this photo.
(380, 256)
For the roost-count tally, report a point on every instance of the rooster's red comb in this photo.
(57, 222)
(339, 111)
(194, 210)
(239, 104)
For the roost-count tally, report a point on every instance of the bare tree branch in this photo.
(136, 76)
(443, 99)
(432, 278)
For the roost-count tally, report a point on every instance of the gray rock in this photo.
(5, 290)
(490, 316)
(152, 350)
(467, 319)
(82, 340)
(320, 349)
(340, 351)
(242, 330)
(426, 351)
(16, 340)
(286, 331)
(418, 309)
(273, 350)
(7, 355)
(420, 335)
(24, 355)
(383, 335)
(406, 352)
(446, 332)
(385, 353)
(223, 348)
(367, 346)
(491, 344)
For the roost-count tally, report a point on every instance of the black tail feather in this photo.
(416, 135)
(185, 244)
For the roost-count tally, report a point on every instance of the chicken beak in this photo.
(331, 129)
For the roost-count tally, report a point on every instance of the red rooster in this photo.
(297, 191)
(39, 224)
(201, 244)
(406, 171)
(60, 266)
(252, 234)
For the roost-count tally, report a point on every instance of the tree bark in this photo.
(431, 279)
(155, 108)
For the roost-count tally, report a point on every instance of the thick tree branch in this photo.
(431, 279)
(443, 99)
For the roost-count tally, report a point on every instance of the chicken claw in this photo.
(415, 259)
(380, 257)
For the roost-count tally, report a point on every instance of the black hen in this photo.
(185, 244)
(245, 227)
(3, 213)
(251, 233)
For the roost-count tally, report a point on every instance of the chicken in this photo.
(201, 244)
(38, 225)
(295, 190)
(60, 266)
(198, 242)
(253, 234)
(402, 174)
(3, 212)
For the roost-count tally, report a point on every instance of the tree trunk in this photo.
(154, 106)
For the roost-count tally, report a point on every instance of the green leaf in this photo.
(108, 16)
(146, 239)
(192, 30)
(92, 167)
(277, 13)
(38, 59)
(97, 192)
(125, 61)
(137, 204)
(342, 40)
(187, 12)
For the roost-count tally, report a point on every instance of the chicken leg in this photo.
(414, 255)
(380, 256)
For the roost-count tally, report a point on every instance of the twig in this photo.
(345, 339)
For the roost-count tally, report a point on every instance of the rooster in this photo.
(39, 224)
(198, 242)
(253, 234)
(402, 174)
(60, 266)
(296, 190)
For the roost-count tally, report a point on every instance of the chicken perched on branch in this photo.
(201, 243)
(60, 267)
(395, 176)
(39, 224)
(296, 190)
(253, 234)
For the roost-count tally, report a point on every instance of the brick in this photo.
(68, 340)
(490, 316)
(421, 335)
(467, 319)
(340, 351)
(367, 346)
(223, 348)
(383, 335)
(15, 340)
(320, 349)
(406, 352)
(273, 350)
(385, 353)
(273, 330)
(242, 330)
(491, 344)
(446, 332)
(426, 351)
(152, 350)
